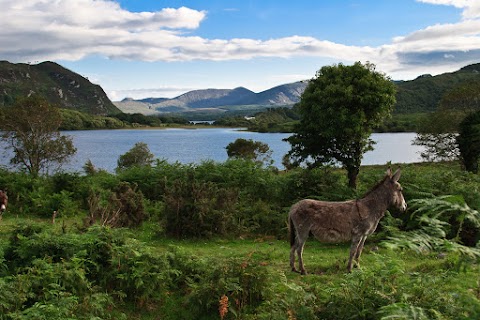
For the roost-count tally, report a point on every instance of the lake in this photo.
(103, 147)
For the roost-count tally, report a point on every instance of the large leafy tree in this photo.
(338, 110)
(31, 129)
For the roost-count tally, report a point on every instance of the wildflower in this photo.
(223, 306)
(291, 315)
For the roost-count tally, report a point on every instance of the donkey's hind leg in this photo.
(297, 248)
(293, 249)
(301, 239)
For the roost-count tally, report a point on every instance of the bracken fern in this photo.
(431, 220)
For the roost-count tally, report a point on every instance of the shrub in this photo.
(138, 156)
(198, 209)
(124, 208)
(250, 150)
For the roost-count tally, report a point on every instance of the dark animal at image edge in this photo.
(3, 202)
(335, 222)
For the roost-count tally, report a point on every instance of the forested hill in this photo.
(58, 85)
(424, 93)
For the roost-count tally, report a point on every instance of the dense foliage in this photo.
(183, 259)
(285, 118)
(151, 120)
(275, 120)
(76, 120)
(207, 241)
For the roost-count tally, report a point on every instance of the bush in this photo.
(198, 209)
(124, 208)
(138, 156)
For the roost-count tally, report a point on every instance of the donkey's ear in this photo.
(396, 175)
(389, 172)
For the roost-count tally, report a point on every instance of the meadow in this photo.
(209, 241)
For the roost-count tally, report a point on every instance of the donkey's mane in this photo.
(376, 186)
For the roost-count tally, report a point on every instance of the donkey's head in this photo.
(396, 189)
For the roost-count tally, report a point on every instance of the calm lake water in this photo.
(103, 147)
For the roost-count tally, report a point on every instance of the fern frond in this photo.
(430, 217)
(399, 311)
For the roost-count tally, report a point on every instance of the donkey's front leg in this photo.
(359, 250)
(353, 250)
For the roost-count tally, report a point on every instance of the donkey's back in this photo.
(328, 221)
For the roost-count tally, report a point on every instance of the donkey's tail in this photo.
(292, 232)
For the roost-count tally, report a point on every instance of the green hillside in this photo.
(425, 92)
(58, 85)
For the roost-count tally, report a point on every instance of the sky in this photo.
(163, 48)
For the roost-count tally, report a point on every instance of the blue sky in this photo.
(153, 48)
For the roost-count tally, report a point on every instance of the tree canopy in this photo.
(139, 155)
(31, 129)
(338, 111)
(249, 150)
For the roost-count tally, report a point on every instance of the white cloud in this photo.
(72, 30)
(471, 8)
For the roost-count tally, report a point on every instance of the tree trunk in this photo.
(352, 173)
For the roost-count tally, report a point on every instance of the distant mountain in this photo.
(419, 95)
(217, 99)
(58, 85)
